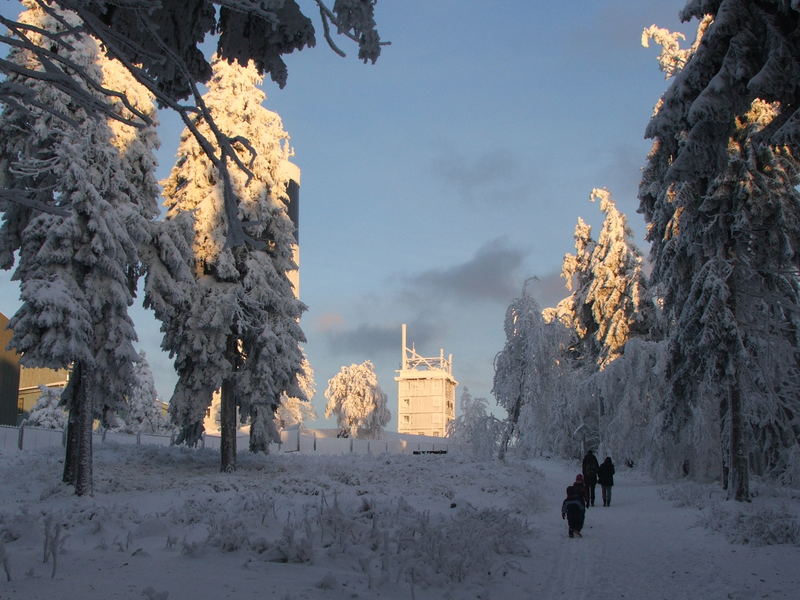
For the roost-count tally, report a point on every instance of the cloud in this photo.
(329, 321)
(495, 174)
(549, 289)
(490, 275)
(370, 340)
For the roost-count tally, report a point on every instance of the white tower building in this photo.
(426, 392)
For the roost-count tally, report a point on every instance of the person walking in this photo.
(605, 477)
(581, 489)
(589, 469)
(573, 509)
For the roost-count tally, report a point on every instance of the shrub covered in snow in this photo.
(690, 494)
(48, 412)
(766, 523)
(759, 526)
(476, 430)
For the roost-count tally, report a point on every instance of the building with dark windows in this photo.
(426, 392)
(9, 376)
(19, 385)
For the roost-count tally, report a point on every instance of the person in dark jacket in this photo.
(574, 510)
(589, 469)
(605, 477)
(580, 488)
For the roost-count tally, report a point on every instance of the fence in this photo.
(26, 437)
(296, 439)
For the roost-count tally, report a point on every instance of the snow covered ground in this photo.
(164, 524)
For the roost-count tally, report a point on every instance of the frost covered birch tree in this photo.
(358, 402)
(476, 429)
(78, 237)
(240, 330)
(528, 382)
(719, 194)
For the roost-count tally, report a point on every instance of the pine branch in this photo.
(22, 197)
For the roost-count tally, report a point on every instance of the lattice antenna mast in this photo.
(412, 360)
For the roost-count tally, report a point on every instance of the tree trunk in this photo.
(738, 464)
(83, 478)
(70, 474)
(513, 417)
(71, 452)
(228, 428)
(739, 473)
(724, 441)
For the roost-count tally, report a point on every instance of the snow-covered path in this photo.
(643, 547)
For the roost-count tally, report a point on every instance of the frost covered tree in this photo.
(78, 238)
(240, 328)
(609, 308)
(48, 411)
(574, 311)
(142, 412)
(476, 429)
(606, 307)
(607, 286)
(633, 388)
(159, 43)
(616, 292)
(358, 402)
(719, 194)
(528, 380)
(293, 410)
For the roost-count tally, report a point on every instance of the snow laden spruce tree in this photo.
(719, 194)
(606, 307)
(358, 402)
(142, 412)
(607, 284)
(76, 233)
(240, 329)
(527, 379)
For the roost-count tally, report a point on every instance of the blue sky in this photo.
(437, 180)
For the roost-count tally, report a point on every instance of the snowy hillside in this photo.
(164, 524)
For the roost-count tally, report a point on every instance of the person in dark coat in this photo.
(580, 488)
(574, 510)
(589, 469)
(605, 477)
